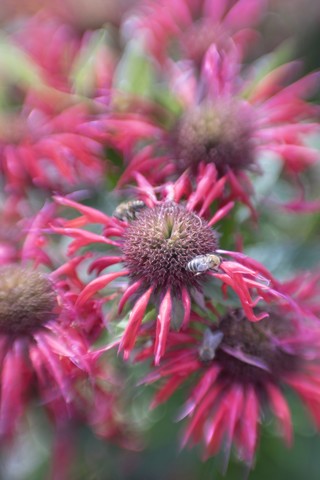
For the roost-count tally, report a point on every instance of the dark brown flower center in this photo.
(219, 133)
(27, 300)
(251, 351)
(161, 241)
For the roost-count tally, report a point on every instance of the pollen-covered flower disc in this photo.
(161, 241)
(160, 247)
(237, 370)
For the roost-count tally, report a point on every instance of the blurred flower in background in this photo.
(158, 246)
(235, 380)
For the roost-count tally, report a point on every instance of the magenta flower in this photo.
(237, 369)
(51, 44)
(227, 118)
(43, 350)
(153, 247)
(57, 51)
(49, 152)
(186, 28)
(42, 143)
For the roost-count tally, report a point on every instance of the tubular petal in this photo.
(163, 326)
(98, 284)
(128, 293)
(135, 319)
(281, 410)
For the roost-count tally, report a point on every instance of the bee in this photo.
(203, 263)
(210, 343)
(127, 211)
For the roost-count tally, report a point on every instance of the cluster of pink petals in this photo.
(45, 145)
(53, 361)
(249, 279)
(281, 117)
(58, 139)
(223, 411)
(55, 47)
(51, 153)
(167, 25)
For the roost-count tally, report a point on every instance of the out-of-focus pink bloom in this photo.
(42, 143)
(186, 28)
(43, 350)
(227, 118)
(305, 288)
(153, 239)
(12, 212)
(52, 45)
(236, 369)
(55, 48)
(47, 151)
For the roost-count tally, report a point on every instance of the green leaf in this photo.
(17, 67)
(135, 72)
(82, 74)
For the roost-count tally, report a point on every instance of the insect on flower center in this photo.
(27, 300)
(160, 243)
(219, 133)
(252, 350)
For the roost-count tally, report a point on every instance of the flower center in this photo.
(250, 351)
(219, 133)
(27, 300)
(161, 241)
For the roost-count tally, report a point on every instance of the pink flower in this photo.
(229, 118)
(188, 27)
(43, 350)
(43, 144)
(50, 153)
(238, 368)
(57, 52)
(152, 240)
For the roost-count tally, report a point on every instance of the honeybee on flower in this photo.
(158, 255)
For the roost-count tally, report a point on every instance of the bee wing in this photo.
(211, 339)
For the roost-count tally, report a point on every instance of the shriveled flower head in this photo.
(166, 251)
(228, 117)
(186, 28)
(44, 352)
(239, 372)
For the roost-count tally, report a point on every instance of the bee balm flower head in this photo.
(237, 375)
(228, 118)
(42, 346)
(166, 250)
